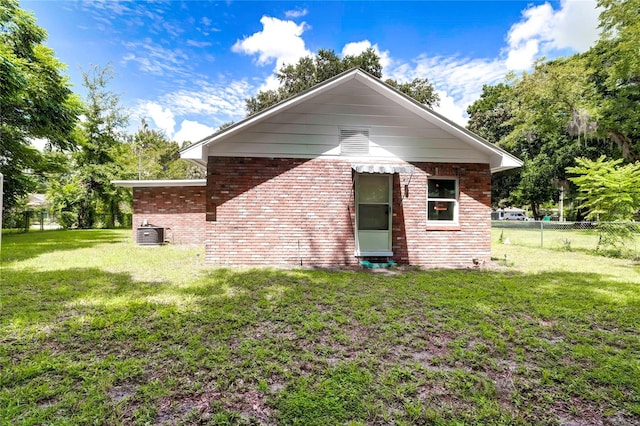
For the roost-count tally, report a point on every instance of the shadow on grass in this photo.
(36, 297)
(17, 247)
(332, 346)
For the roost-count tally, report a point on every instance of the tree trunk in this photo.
(534, 210)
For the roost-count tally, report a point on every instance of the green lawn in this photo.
(95, 330)
(528, 234)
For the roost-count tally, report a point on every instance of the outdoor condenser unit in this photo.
(149, 235)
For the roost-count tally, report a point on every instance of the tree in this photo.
(608, 190)
(547, 118)
(149, 154)
(100, 139)
(310, 71)
(36, 102)
(419, 89)
(616, 77)
(490, 117)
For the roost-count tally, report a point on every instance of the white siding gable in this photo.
(312, 129)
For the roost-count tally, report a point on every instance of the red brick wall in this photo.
(182, 209)
(420, 243)
(301, 212)
(279, 212)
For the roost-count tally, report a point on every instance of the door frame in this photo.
(389, 248)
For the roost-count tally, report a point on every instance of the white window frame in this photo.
(455, 201)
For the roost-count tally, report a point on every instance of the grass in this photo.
(577, 240)
(514, 248)
(95, 330)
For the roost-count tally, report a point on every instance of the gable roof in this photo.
(499, 159)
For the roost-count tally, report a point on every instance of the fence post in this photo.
(542, 234)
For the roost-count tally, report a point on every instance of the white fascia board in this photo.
(504, 162)
(499, 158)
(159, 183)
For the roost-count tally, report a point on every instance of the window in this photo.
(442, 200)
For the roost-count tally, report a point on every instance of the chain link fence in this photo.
(41, 220)
(616, 239)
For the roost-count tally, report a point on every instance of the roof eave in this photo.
(504, 161)
(159, 183)
(198, 150)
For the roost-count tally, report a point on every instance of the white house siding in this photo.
(311, 129)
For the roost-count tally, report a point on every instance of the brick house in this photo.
(348, 170)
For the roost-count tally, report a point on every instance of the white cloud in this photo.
(192, 131)
(297, 13)
(155, 59)
(451, 109)
(195, 43)
(279, 40)
(357, 47)
(542, 30)
(458, 81)
(210, 103)
(271, 83)
(224, 99)
(523, 56)
(576, 25)
(163, 118)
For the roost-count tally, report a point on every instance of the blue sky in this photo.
(187, 66)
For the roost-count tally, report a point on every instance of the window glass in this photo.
(373, 217)
(373, 188)
(442, 188)
(441, 210)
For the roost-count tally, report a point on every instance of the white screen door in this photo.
(373, 214)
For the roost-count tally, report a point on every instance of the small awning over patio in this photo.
(383, 168)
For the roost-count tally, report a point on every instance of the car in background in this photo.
(508, 214)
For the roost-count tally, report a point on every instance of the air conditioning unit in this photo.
(150, 235)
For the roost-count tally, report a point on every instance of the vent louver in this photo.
(354, 141)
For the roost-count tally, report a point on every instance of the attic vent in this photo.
(354, 142)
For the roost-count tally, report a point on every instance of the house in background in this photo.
(348, 170)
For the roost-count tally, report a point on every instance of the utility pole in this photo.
(143, 129)
(561, 204)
